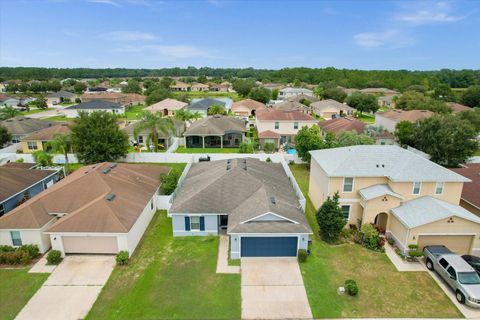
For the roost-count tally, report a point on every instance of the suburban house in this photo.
(203, 105)
(22, 181)
(180, 86)
(19, 127)
(167, 107)
(246, 107)
(98, 209)
(330, 108)
(409, 198)
(390, 118)
(58, 97)
(284, 123)
(127, 99)
(289, 105)
(39, 140)
(302, 98)
(470, 198)
(221, 87)
(199, 87)
(165, 139)
(215, 132)
(10, 102)
(269, 137)
(252, 200)
(286, 93)
(457, 107)
(380, 91)
(92, 106)
(338, 125)
(387, 101)
(272, 86)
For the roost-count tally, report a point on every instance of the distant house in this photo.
(203, 105)
(292, 106)
(215, 132)
(329, 108)
(40, 139)
(59, 97)
(246, 107)
(386, 101)
(10, 102)
(92, 106)
(165, 139)
(180, 86)
(380, 91)
(268, 136)
(125, 99)
(284, 123)
(302, 98)
(199, 87)
(19, 127)
(470, 198)
(167, 107)
(341, 124)
(272, 86)
(220, 87)
(134, 99)
(290, 92)
(457, 107)
(21, 181)
(390, 118)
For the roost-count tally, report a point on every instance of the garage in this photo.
(90, 245)
(269, 246)
(460, 244)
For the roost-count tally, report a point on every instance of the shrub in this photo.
(269, 147)
(351, 287)
(15, 257)
(370, 237)
(31, 249)
(413, 247)
(54, 257)
(6, 248)
(268, 159)
(246, 147)
(415, 254)
(302, 255)
(122, 258)
(391, 241)
(169, 181)
(21, 160)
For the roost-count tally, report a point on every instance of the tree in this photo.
(96, 137)
(274, 94)
(169, 181)
(157, 95)
(405, 133)
(417, 88)
(308, 139)
(41, 103)
(363, 102)
(413, 100)
(42, 158)
(471, 97)
(472, 116)
(243, 87)
(352, 138)
(8, 112)
(334, 94)
(330, 219)
(62, 143)
(187, 115)
(5, 136)
(133, 86)
(260, 94)
(216, 109)
(443, 92)
(155, 124)
(79, 87)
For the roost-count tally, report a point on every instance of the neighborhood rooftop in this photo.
(95, 104)
(25, 125)
(274, 115)
(216, 125)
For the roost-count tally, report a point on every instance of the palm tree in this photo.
(62, 143)
(216, 109)
(8, 112)
(42, 158)
(155, 124)
(187, 115)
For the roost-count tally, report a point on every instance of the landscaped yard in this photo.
(32, 111)
(384, 292)
(206, 150)
(367, 118)
(17, 286)
(133, 113)
(170, 279)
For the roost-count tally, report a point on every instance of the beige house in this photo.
(246, 107)
(329, 108)
(389, 119)
(167, 107)
(411, 199)
(180, 86)
(39, 140)
(199, 87)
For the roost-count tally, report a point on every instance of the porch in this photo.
(228, 140)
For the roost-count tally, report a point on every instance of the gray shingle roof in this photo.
(389, 161)
(95, 104)
(25, 125)
(424, 210)
(61, 94)
(204, 104)
(242, 194)
(378, 190)
(216, 125)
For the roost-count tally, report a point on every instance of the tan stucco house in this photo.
(411, 199)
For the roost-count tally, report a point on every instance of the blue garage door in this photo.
(269, 246)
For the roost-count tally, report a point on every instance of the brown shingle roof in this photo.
(268, 134)
(291, 106)
(249, 104)
(471, 190)
(273, 115)
(170, 104)
(302, 96)
(49, 133)
(82, 197)
(343, 124)
(406, 115)
(23, 125)
(329, 104)
(215, 125)
(457, 107)
(14, 179)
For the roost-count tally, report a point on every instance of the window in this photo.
(32, 145)
(439, 188)
(295, 125)
(347, 184)
(443, 263)
(140, 139)
(277, 125)
(15, 139)
(2, 210)
(16, 240)
(416, 187)
(346, 211)
(452, 273)
(195, 223)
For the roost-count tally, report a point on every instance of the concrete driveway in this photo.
(272, 288)
(71, 289)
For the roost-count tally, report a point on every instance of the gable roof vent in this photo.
(110, 197)
(106, 170)
(273, 200)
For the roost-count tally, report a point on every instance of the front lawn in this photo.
(17, 286)
(206, 150)
(133, 113)
(384, 292)
(170, 279)
(367, 118)
(33, 111)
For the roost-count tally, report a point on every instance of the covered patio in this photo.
(229, 140)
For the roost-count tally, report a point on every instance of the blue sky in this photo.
(421, 35)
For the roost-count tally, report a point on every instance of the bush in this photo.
(246, 147)
(302, 255)
(15, 257)
(268, 159)
(415, 254)
(370, 238)
(413, 247)
(31, 249)
(391, 241)
(54, 257)
(351, 287)
(6, 248)
(169, 181)
(268, 147)
(122, 258)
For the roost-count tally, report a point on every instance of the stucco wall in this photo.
(318, 187)
(397, 231)
(25, 149)
(211, 226)
(138, 229)
(451, 190)
(378, 205)
(31, 236)
(285, 127)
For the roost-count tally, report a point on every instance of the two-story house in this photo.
(411, 199)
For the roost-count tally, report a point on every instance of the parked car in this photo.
(456, 272)
(473, 261)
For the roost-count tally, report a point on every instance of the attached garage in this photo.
(460, 244)
(269, 246)
(90, 245)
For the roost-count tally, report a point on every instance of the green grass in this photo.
(194, 94)
(170, 278)
(367, 118)
(206, 150)
(132, 149)
(74, 166)
(477, 153)
(17, 286)
(33, 111)
(384, 292)
(133, 113)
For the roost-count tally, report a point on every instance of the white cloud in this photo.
(128, 36)
(428, 13)
(169, 51)
(109, 2)
(392, 38)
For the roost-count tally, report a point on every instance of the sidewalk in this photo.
(401, 264)
(222, 262)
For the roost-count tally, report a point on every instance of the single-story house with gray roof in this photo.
(252, 200)
(55, 98)
(203, 105)
(92, 106)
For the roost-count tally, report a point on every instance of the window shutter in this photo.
(202, 223)
(187, 223)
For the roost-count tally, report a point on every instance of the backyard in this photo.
(170, 278)
(367, 118)
(384, 292)
(17, 286)
(133, 113)
(206, 150)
